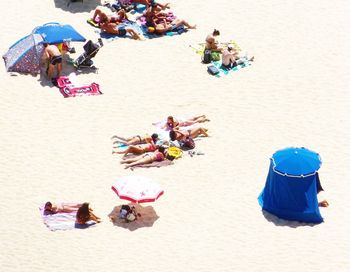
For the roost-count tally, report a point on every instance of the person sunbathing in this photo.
(85, 214)
(51, 208)
(136, 139)
(121, 31)
(174, 123)
(158, 155)
(211, 43)
(118, 17)
(182, 135)
(163, 27)
(138, 149)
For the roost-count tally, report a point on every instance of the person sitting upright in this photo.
(230, 58)
(211, 43)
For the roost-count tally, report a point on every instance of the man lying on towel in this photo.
(101, 17)
(164, 26)
(116, 29)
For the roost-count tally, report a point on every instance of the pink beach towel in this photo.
(68, 89)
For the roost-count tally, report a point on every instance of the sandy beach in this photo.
(59, 149)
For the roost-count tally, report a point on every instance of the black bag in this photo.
(213, 70)
(206, 56)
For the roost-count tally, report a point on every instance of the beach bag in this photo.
(130, 217)
(188, 143)
(175, 152)
(124, 211)
(206, 56)
(213, 70)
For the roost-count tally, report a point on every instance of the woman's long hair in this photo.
(83, 213)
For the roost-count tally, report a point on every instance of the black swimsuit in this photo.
(55, 60)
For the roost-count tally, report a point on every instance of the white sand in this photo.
(295, 94)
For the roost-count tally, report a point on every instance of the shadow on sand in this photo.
(147, 218)
(285, 223)
(76, 7)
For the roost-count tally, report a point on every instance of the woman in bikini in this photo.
(182, 135)
(138, 149)
(158, 155)
(51, 208)
(173, 123)
(85, 214)
(134, 140)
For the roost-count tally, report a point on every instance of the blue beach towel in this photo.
(224, 72)
(62, 221)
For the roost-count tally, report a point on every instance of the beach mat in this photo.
(62, 221)
(224, 72)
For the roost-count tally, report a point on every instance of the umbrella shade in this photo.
(137, 189)
(24, 56)
(296, 161)
(54, 33)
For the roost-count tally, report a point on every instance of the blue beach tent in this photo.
(291, 186)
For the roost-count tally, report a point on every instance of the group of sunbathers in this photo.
(230, 55)
(156, 19)
(153, 149)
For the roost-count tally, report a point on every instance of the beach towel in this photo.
(62, 221)
(68, 88)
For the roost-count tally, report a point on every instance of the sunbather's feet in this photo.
(192, 27)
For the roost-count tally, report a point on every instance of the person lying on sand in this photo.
(211, 43)
(172, 123)
(118, 17)
(138, 149)
(162, 27)
(115, 29)
(182, 135)
(136, 139)
(51, 208)
(85, 214)
(158, 155)
(231, 58)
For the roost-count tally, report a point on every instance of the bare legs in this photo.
(178, 22)
(133, 34)
(143, 159)
(131, 149)
(199, 131)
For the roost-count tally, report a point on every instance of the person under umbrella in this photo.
(54, 57)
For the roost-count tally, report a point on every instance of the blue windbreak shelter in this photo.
(291, 188)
